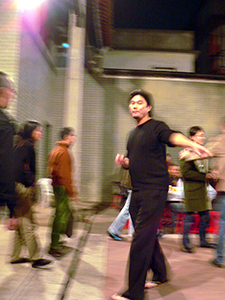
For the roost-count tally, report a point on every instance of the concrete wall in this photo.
(142, 39)
(106, 121)
(40, 87)
(10, 29)
(40, 95)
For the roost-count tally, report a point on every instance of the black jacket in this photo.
(7, 179)
(25, 162)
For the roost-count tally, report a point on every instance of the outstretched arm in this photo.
(179, 140)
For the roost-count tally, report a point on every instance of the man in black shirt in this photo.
(146, 160)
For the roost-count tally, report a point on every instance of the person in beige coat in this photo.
(217, 147)
(195, 175)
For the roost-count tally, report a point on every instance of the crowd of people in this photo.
(147, 166)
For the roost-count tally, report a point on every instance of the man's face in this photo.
(71, 138)
(138, 107)
(174, 171)
(199, 137)
(7, 94)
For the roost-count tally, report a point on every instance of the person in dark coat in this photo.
(7, 132)
(25, 190)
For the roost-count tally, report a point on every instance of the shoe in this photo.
(41, 262)
(188, 249)
(216, 263)
(153, 283)
(115, 237)
(20, 260)
(62, 243)
(160, 234)
(208, 245)
(118, 297)
(55, 252)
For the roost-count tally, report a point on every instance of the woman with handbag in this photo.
(24, 164)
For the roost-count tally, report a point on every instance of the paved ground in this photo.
(94, 267)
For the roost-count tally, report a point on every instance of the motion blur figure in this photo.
(31, 132)
(7, 132)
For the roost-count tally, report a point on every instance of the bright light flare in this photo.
(28, 4)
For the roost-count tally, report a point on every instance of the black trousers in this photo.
(146, 209)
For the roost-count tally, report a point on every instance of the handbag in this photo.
(25, 199)
(125, 179)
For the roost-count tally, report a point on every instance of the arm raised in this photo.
(179, 140)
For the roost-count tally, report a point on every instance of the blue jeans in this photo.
(124, 215)
(176, 207)
(204, 223)
(221, 201)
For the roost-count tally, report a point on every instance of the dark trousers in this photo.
(146, 209)
(188, 221)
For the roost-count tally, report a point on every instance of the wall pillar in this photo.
(74, 86)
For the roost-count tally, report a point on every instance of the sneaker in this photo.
(208, 245)
(55, 252)
(115, 237)
(160, 234)
(41, 262)
(216, 263)
(188, 249)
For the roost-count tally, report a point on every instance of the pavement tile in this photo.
(101, 267)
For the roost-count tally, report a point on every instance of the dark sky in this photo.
(157, 14)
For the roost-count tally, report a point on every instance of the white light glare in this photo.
(28, 4)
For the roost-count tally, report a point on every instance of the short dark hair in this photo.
(194, 129)
(4, 80)
(65, 131)
(147, 96)
(27, 128)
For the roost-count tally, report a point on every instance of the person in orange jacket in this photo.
(60, 166)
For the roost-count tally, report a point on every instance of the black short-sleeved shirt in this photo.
(146, 148)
